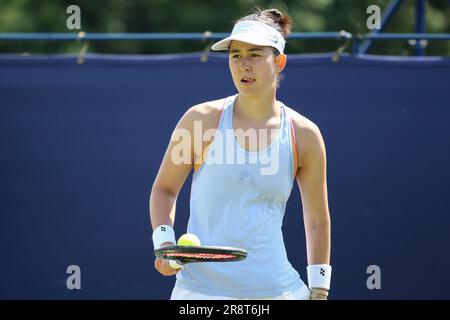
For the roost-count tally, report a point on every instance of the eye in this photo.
(234, 56)
(254, 55)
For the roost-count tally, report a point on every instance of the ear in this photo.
(281, 62)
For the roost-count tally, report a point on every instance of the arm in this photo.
(184, 148)
(311, 178)
(177, 163)
(170, 178)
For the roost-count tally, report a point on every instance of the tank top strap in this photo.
(292, 140)
(226, 121)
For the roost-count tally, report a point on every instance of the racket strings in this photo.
(211, 256)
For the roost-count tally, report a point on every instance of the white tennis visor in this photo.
(252, 32)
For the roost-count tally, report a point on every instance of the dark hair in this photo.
(272, 17)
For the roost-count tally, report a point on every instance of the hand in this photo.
(162, 265)
(318, 294)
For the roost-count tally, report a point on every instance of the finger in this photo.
(164, 268)
(161, 267)
(158, 262)
(169, 271)
(174, 265)
(318, 294)
(171, 266)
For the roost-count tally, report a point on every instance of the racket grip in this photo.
(175, 265)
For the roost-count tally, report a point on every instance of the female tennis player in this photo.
(251, 149)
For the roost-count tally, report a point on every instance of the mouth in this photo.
(248, 81)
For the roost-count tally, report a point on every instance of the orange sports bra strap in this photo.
(294, 148)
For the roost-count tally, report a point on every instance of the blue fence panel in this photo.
(81, 144)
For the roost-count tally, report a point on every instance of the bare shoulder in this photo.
(308, 136)
(207, 112)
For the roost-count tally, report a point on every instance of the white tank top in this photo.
(238, 199)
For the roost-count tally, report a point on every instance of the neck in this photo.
(258, 107)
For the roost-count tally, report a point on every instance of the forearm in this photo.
(318, 243)
(162, 207)
(318, 248)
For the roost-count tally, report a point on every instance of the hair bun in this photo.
(272, 17)
(274, 13)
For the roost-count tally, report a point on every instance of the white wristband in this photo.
(161, 234)
(319, 276)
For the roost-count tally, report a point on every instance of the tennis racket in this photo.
(190, 254)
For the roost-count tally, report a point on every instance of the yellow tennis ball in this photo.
(188, 239)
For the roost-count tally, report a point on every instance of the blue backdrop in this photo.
(80, 145)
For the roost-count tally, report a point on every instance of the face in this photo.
(253, 68)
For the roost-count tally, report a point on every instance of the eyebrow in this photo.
(250, 50)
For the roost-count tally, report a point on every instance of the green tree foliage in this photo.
(209, 15)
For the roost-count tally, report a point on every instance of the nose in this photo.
(245, 65)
